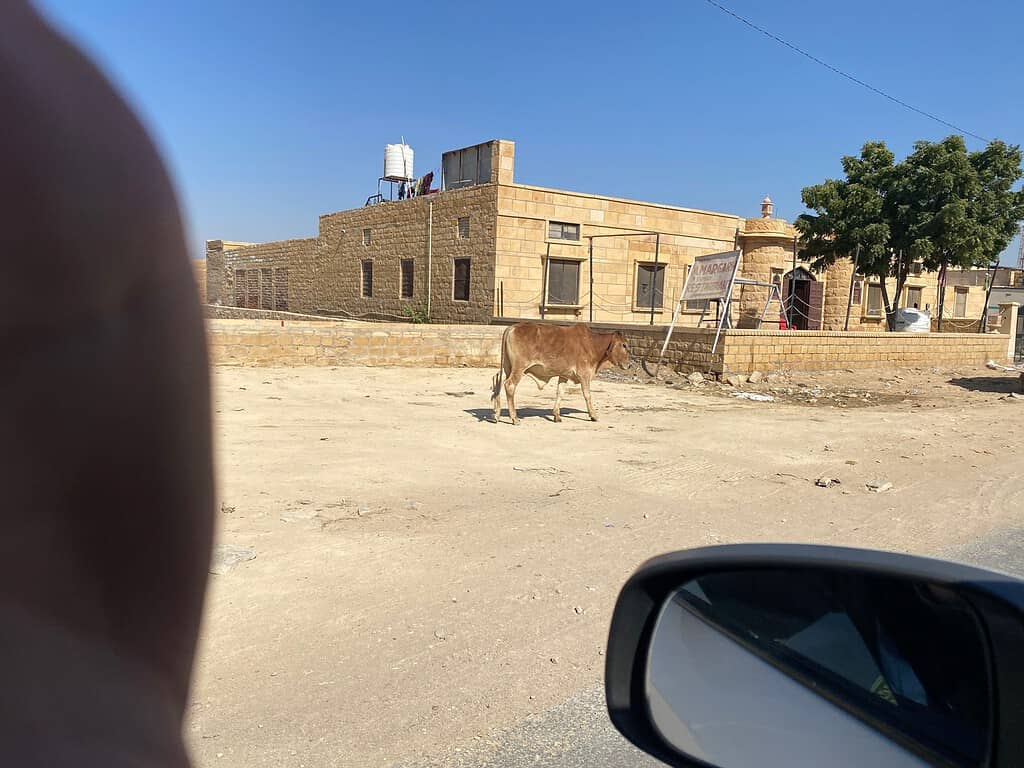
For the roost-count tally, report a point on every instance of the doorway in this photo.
(803, 295)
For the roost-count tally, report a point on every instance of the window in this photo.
(367, 285)
(266, 288)
(460, 289)
(650, 281)
(406, 270)
(913, 298)
(252, 288)
(874, 308)
(560, 230)
(367, 237)
(916, 267)
(960, 303)
(563, 282)
(858, 293)
(239, 287)
(464, 227)
(281, 289)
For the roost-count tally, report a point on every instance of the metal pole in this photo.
(591, 239)
(792, 289)
(728, 304)
(544, 284)
(983, 323)
(849, 298)
(430, 250)
(654, 281)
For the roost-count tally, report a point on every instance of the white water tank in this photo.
(398, 162)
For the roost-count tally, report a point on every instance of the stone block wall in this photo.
(522, 245)
(267, 343)
(747, 351)
(331, 277)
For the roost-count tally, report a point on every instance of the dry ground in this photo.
(438, 577)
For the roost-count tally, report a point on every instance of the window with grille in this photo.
(266, 288)
(460, 289)
(406, 275)
(914, 298)
(650, 285)
(281, 289)
(252, 288)
(239, 287)
(367, 280)
(561, 230)
(464, 227)
(563, 282)
(858, 293)
(367, 237)
(874, 308)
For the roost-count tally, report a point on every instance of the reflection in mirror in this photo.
(820, 667)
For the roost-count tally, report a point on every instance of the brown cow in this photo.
(566, 353)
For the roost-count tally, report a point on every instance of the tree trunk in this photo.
(890, 310)
(942, 293)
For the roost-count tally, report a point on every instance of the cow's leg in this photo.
(511, 382)
(585, 386)
(558, 397)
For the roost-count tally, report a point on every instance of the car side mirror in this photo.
(786, 655)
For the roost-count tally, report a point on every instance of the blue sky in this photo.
(272, 113)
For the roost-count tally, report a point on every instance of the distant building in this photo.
(485, 247)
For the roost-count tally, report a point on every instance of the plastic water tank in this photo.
(913, 321)
(398, 162)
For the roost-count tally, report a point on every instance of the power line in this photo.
(841, 73)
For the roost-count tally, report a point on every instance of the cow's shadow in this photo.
(1000, 384)
(487, 414)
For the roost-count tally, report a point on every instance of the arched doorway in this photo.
(803, 295)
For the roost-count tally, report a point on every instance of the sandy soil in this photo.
(437, 577)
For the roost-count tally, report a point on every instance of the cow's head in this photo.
(618, 352)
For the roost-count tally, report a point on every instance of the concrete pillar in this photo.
(1008, 315)
(837, 295)
(766, 243)
(503, 161)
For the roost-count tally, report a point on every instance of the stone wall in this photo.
(267, 343)
(332, 279)
(220, 312)
(747, 351)
(523, 244)
(272, 265)
(767, 244)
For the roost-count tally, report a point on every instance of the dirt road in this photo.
(438, 577)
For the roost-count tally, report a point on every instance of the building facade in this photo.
(485, 247)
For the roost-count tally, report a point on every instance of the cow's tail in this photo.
(496, 381)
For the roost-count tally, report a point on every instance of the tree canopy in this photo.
(942, 206)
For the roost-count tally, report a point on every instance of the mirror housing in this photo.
(996, 602)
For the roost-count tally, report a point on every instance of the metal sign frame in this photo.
(724, 305)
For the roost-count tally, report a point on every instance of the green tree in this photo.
(941, 205)
(853, 217)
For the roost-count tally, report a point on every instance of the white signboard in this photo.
(710, 275)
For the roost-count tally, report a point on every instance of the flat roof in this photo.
(664, 206)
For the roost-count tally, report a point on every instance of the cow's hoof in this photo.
(593, 417)
(558, 419)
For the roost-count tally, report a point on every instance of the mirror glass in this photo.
(820, 667)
